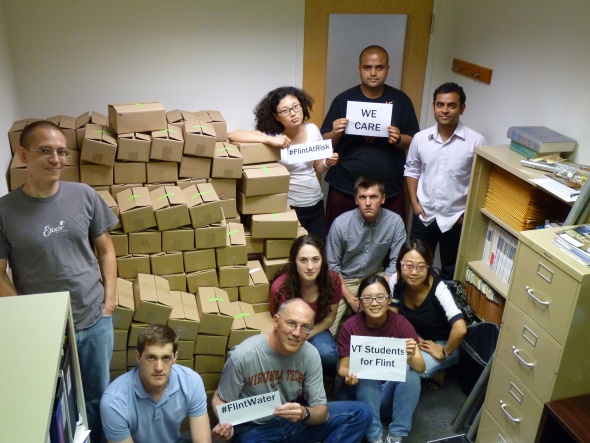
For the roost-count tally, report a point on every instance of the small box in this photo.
(96, 175)
(261, 307)
(210, 380)
(199, 260)
(118, 361)
(269, 178)
(186, 182)
(120, 339)
(88, 117)
(206, 277)
(264, 321)
(227, 162)
(216, 120)
(145, 242)
(233, 276)
(165, 263)
(253, 153)
(203, 204)
(99, 145)
(234, 253)
(129, 266)
(125, 305)
(184, 318)
(177, 281)
(138, 117)
(134, 147)
(67, 125)
(170, 207)
(134, 331)
(211, 236)
(209, 363)
(182, 239)
(199, 138)
(262, 204)
(210, 345)
(277, 248)
(232, 293)
(224, 187)
(120, 243)
(129, 172)
(257, 290)
(18, 173)
(215, 311)
(111, 203)
(271, 267)
(167, 144)
(244, 325)
(229, 207)
(136, 209)
(185, 349)
(152, 299)
(195, 167)
(162, 172)
(280, 225)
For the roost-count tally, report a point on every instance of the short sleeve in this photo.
(114, 424)
(198, 401)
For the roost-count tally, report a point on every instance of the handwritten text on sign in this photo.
(371, 119)
(378, 358)
(307, 152)
(247, 409)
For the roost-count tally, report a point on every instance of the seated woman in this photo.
(280, 122)
(425, 300)
(397, 400)
(307, 277)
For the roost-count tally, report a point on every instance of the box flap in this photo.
(257, 275)
(199, 127)
(289, 216)
(175, 195)
(215, 116)
(208, 193)
(125, 294)
(163, 290)
(134, 197)
(189, 304)
(174, 116)
(227, 150)
(264, 170)
(170, 132)
(207, 300)
(235, 234)
(192, 196)
(177, 308)
(144, 288)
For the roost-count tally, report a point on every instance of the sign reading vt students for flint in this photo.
(370, 119)
(378, 358)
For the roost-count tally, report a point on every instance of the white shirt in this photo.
(443, 171)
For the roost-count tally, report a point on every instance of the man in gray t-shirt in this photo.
(283, 361)
(49, 231)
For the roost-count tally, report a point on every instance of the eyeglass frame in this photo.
(293, 325)
(362, 299)
(287, 112)
(410, 267)
(61, 152)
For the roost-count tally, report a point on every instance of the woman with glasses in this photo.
(281, 122)
(307, 277)
(397, 400)
(425, 300)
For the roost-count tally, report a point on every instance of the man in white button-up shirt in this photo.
(437, 174)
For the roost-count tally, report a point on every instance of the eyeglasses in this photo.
(410, 267)
(305, 329)
(48, 152)
(286, 112)
(368, 300)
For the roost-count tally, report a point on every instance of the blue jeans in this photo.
(95, 349)
(324, 343)
(433, 366)
(393, 399)
(348, 423)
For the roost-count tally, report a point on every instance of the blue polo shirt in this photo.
(128, 410)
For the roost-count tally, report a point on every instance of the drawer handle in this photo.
(503, 406)
(522, 360)
(529, 291)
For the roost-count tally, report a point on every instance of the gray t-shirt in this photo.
(253, 368)
(48, 244)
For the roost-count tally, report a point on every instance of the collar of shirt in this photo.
(459, 132)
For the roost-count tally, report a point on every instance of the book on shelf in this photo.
(541, 139)
(527, 152)
(499, 251)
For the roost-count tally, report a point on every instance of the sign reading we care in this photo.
(369, 119)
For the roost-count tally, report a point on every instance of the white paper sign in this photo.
(371, 119)
(248, 409)
(307, 152)
(378, 358)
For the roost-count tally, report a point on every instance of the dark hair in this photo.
(157, 335)
(421, 248)
(265, 110)
(366, 181)
(292, 286)
(371, 279)
(447, 88)
(374, 49)
(26, 137)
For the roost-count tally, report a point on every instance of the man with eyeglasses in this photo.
(48, 233)
(283, 361)
(361, 240)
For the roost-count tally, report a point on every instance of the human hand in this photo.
(332, 160)
(108, 308)
(434, 349)
(410, 347)
(351, 380)
(223, 432)
(281, 141)
(290, 411)
(394, 135)
(355, 305)
(339, 125)
(418, 210)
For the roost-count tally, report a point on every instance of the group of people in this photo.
(368, 280)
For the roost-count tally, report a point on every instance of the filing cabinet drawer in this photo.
(490, 431)
(544, 292)
(528, 352)
(512, 405)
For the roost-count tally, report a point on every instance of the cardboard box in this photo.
(96, 175)
(211, 236)
(206, 277)
(145, 242)
(185, 349)
(233, 276)
(99, 145)
(253, 245)
(131, 357)
(234, 253)
(120, 339)
(67, 125)
(215, 311)
(224, 187)
(129, 172)
(189, 363)
(281, 225)
(261, 307)
(232, 293)
(257, 290)
(162, 172)
(88, 117)
(227, 162)
(177, 281)
(253, 153)
(209, 363)
(18, 173)
(216, 120)
(120, 242)
(111, 203)
(271, 267)
(71, 173)
(167, 263)
(167, 144)
(115, 189)
(152, 299)
(203, 203)
(134, 331)
(118, 361)
(184, 318)
(244, 325)
(182, 239)
(129, 266)
(113, 375)
(136, 209)
(138, 117)
(199, 260)
(175, 117)
(210, 380)
(15, 130)
(210, 345)
(134, 146)
(280, 248)
(125, 307)
(229, 207)
(170, 207)
(262, 204)
(186, 182)
(264, 321)
(199, 138)
(195, 167)
(269, 178)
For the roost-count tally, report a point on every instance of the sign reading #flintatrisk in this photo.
(248, 409)
(307, 152)
(378, 358)
(370, 119)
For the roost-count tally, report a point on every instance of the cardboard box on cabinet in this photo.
(137, 117)
(199, 138)
(152, 299)
(99, 145)
(135, 206)
(167, 144)
(227, 162)
(184, 318)
(134, 147)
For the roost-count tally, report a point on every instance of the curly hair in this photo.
(265, 110)
(292, 286)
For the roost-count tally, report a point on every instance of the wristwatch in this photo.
(307, 415)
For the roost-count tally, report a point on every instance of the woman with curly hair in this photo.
(307, 277)
(281, 122)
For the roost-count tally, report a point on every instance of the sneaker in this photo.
(393, 439)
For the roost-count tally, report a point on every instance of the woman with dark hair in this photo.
(307, 277)
(281, 122)
(425, 300)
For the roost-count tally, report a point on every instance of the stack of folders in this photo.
(519, 204)
(577, 241)
(499, 251)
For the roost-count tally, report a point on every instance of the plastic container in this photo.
(476, 350)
